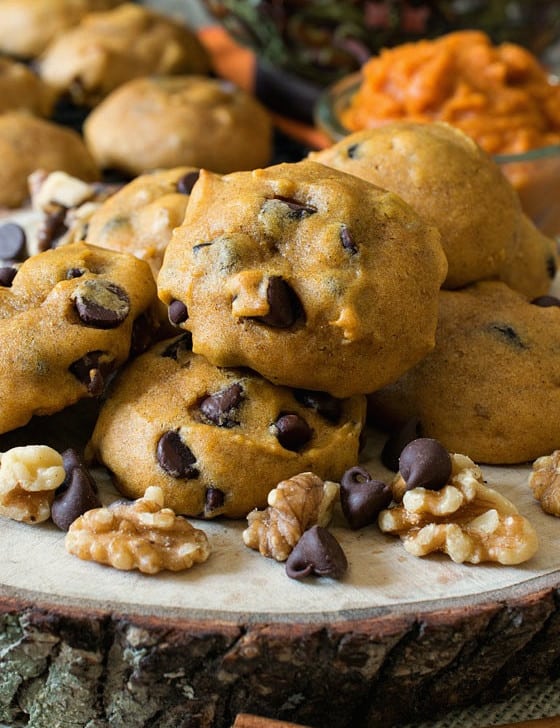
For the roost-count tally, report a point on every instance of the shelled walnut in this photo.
(545, 482)
(465, 519)
(141, 535)
(29, 476)
(295, 505)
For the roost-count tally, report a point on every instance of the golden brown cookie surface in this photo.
(107, 49)
(310, 276)
(490, 386)
(68, 318)
(179, 120)
(217, 440)
(28, 143)
(451, 182)
(21, 89)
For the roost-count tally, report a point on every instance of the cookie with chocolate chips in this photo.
(490, 387)
(312, 277)
(69, 317)
(140, 217)
(217, 440)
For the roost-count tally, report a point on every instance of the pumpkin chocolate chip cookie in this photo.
(310, 276)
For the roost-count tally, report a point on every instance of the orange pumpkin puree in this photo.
(500, 95)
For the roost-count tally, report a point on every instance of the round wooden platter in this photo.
(398, 638)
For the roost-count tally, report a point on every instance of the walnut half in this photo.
(545, 482)
(465, 519)
(294, 506)
(29, 476)
(141, 535)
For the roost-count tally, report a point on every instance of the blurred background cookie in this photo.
(107, 49)
(170, 121)
(21, 89)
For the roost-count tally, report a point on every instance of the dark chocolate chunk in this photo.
(347, 240)
(101, 304)
(425, 463)
(74, 273)
(218, 407)
(292, 431)
(362, 498)
(214, 499)
(92, 371)
(352, 151)
(284, 305)
(187, 182)
(397, 441)
(317, 553)
(178, 346)
(546, 301)
(324, 404)
(76, 495)
(508, 334)
(177, 312)
(175, 457)
(12, 242)
(551, 267)
(52, 227)
(7, 275)
(296, 210)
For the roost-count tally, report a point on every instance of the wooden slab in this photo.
(399, 638)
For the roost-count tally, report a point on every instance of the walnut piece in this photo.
(545, 482)
(29, 475)
(139, 535)
(465, 519)
(294, 506)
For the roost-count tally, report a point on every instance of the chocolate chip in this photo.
(397, 441)
(187, 182)
(362, 498)
(214, 499)
(425, 463)
(508, 334)
(546, 301)
(551, 267)
(218, 407)
(284, 305)
(141, 336)
(318, 553)
(178, 346)
(13, 241)
(177, 312)
(324, 404)
(296, 210)
(100, 303)
(75, 273)
(92, 370)
(347, 240)
(175, 457)
(7, 275)
(52, 227)
(292, 431)
(76, 495)
(352, 151)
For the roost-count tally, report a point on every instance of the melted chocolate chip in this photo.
(218, 407)
(187, 182)
(214, 499)
(101, 304)
(352, 151)
(76, 495)
(397, 441)
(292, 431)
(317, 553)
(7, 275)
(92, 372)
(175, 457)
(347, 240)
(75, 273)
(296, 210)
(13, 241)
(284, 305)
(546, 301)
(425, 463)
(51, 229)
(362, 498)
(551, 267)
(324, 404)
(177, 312)
(508, 334)
(178, 346)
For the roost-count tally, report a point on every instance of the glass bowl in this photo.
(534, 174)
